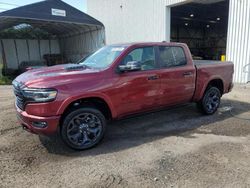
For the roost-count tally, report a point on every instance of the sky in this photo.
(7, 4)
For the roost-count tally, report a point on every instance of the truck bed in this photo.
(209, 70)
(201, 62)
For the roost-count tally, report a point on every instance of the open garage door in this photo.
(202, 26)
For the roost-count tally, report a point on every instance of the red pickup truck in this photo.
(76, 100)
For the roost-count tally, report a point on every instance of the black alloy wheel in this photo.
(210, 101)
(83, 128)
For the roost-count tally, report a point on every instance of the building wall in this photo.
(130, 20)
(238, 39)
(149, 20)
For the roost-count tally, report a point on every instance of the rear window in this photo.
(172, 56)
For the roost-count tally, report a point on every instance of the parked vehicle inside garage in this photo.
(75, 101)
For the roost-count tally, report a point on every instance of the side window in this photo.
(136, 54)
(146, 57)
(172, 56)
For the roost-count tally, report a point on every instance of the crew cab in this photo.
(76, 101)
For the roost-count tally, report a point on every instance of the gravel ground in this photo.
(171, 148)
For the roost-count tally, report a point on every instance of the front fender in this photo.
(102, 96)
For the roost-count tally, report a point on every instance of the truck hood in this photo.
(55, 75)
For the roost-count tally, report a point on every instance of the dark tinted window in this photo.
(146, 57)
(172, 56)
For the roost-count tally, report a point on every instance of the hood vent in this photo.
(75, 67)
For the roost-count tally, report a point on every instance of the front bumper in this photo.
(27, 121)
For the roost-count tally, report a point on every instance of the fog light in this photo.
(39, 124)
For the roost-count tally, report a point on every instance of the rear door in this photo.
(177, 75)
(139, 90)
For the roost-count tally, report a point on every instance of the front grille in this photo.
(20, 100)
(20, 103)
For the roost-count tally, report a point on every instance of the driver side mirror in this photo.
(130, 66)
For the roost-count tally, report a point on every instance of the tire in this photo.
(210, 101)
(83, 128)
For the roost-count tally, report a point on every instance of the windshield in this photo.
(103, 57)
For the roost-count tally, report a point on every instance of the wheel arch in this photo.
(213, 82)
(218, 83)
(97, 101)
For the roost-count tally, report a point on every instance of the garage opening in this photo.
(202, 25)
(46, 33)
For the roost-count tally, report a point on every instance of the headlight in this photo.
(39, 95)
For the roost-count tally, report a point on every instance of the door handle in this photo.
(186, 74)
(155, 77)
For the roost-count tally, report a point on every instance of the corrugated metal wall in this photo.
(238, 39)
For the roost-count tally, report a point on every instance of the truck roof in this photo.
(147, 43)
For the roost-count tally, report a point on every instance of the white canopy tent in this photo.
(76, 34)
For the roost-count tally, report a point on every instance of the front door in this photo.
(138, 90)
